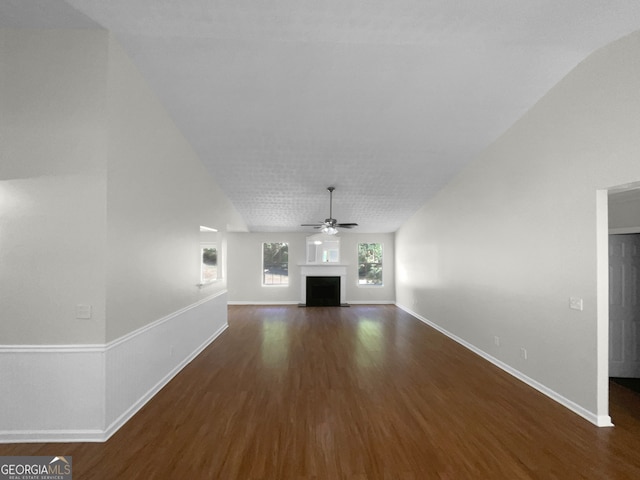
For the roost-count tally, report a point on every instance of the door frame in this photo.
(602, 296)
(602, 308)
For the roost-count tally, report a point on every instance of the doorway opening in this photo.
(618, 292)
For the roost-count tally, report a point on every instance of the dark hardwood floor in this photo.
(366, 392)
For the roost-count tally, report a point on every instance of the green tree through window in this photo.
(209, 267)
(369, 264)
(275, 264)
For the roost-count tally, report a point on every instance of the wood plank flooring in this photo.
(366, 392)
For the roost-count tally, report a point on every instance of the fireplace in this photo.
(323, 291)
(324, 270)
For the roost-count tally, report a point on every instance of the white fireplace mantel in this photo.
(323, 270)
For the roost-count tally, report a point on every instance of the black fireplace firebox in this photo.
(323, 292)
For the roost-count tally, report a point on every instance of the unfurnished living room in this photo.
(320, 240)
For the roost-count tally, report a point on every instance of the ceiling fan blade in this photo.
(311, 224)
(346, 225)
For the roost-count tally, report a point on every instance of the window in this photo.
(275, 264)
(209, 266)
(210, 270)
(369, 264)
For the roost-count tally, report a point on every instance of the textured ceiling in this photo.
(384, 100)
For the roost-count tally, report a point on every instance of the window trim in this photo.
(369, 285)
(204, 245)
(262, 269)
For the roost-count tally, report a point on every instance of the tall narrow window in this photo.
(370, 264)
(209, 266)
(275, 264)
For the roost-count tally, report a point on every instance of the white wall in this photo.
(102, 197)
(245, 268)
(499, 251)
(52, 185)
(101, 202)
(158, 196)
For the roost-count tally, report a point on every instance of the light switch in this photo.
(575, 303)
(83, 312)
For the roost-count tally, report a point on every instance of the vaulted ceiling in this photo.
(385, 100)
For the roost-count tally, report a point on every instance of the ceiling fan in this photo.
(329, 226)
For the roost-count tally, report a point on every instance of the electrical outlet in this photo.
(523, 353)
(83, 312)
(496, 341)
(576, 303)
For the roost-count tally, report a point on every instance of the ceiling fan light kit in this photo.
(328, 230)
(329, 226)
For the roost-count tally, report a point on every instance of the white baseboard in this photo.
(51, 436)
(598, 420)
(85, 393)
(287, 302)
(372, 302)
(357, 302)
